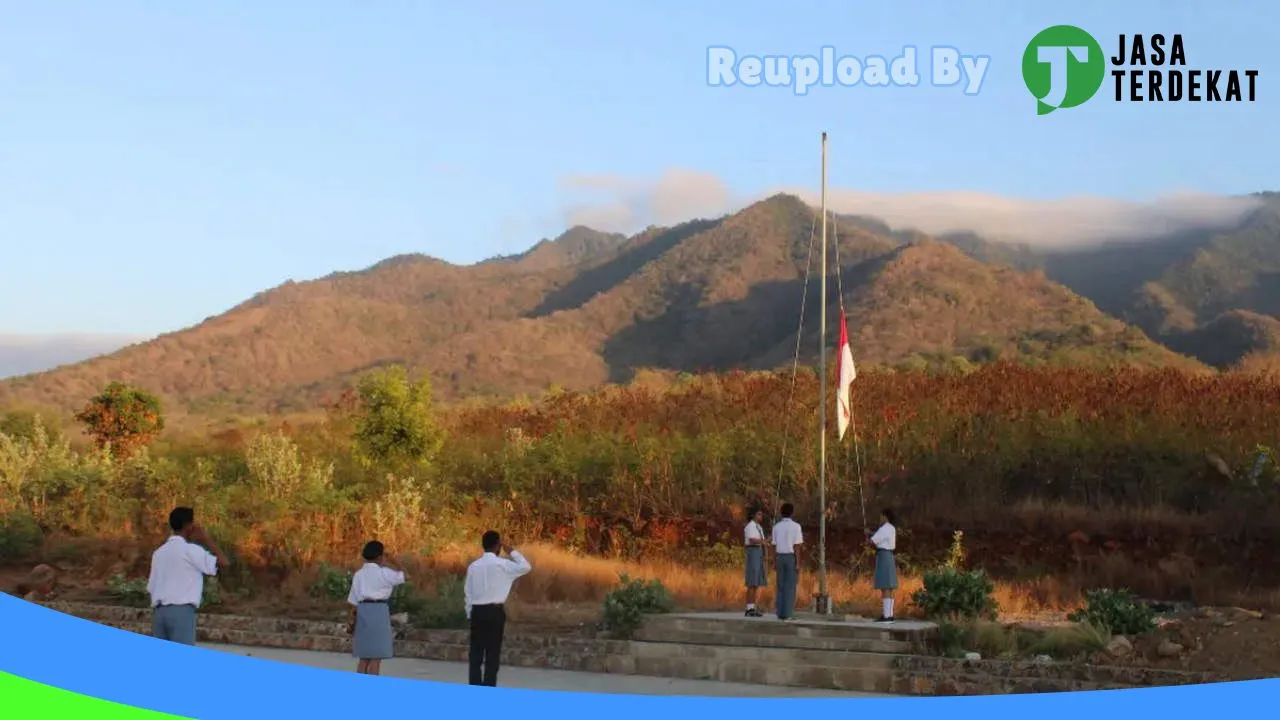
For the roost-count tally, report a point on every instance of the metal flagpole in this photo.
(823, 600)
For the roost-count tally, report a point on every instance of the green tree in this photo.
(23, 423)
(395, 426)
(122, 418)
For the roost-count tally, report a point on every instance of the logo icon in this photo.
(1063, 67)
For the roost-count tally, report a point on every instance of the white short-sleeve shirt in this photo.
(786, 536)
(886, 538)
(753, 531)
(373, 582)
(178, 569)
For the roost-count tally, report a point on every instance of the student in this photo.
(178, 570)
(787, 540)
(370, 623)
(756, 577)
(488, 584)
(885, 541)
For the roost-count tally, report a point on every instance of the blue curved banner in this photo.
(43, 647)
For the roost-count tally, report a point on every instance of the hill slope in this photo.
(1185, 291)
(589, 308)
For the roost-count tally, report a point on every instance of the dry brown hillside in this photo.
(589, 308)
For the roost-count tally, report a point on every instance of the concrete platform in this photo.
(541, 679)
(844, 653)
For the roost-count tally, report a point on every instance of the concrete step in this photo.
(663, 634)
(906, 631)
(789, 657)
(756, 672)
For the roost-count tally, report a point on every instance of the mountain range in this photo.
(591, 307)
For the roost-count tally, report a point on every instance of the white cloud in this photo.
(619, 204)
(622, 204)
(23, 354)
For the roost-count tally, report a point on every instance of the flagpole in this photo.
(823, 602)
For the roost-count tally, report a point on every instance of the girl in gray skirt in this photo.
(370, 622)
(885, 541)
(753, 535)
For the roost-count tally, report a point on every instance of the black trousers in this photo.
(488, 622)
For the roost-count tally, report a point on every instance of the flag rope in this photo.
(795, 367)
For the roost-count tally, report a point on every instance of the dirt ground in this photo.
(1236, 644)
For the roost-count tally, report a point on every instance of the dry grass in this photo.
(563, 579)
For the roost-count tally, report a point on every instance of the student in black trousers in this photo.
(488, 584)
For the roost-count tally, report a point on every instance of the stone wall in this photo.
(911, 674)
(922, 675)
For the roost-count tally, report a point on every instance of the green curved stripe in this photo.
(33, 700)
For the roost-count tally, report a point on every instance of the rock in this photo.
(972, 656)
(400, 618)
(1242, 615)
(1119, 647)
(38, 584)
(1169, 649)
(1043, 659)
(1218, 465)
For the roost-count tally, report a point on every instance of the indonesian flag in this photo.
(844, 410)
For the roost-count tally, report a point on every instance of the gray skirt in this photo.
(755, 567)
(886, 570)
(372, 640)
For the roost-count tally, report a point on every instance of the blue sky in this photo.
(161, 162)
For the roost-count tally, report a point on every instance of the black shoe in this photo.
(754, 613)
(883, 619)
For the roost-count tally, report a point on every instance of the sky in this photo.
(162, 162)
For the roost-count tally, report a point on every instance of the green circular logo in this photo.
(1063, 67)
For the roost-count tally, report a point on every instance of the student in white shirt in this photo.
(488, 584)
(370, 623)
(178, 570)
(787, 539)
(753, 536)
(885, 541)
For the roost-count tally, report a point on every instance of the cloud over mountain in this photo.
(626, 204)
(23, 354)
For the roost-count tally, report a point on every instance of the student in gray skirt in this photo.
(885, 541)
(370, 623)
(753, 535)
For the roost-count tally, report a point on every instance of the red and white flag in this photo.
(844, 408)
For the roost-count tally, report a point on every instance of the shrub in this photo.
(444, 610)
(956, 554)
(951, 639)
(130, 592)
(20, 536)
(332, 583)
(1117, 611)
(626, 605)
(949, 592)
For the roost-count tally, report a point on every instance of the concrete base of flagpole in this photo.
(822, 604)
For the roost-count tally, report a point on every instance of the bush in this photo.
(130, 592)
(1117, 611)
(626, 605)
(951, 639)
(446, 609)
(332, 583)
(950, 592)
(20, 536)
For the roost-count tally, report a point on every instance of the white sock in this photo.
(751, 606)
(888, 607)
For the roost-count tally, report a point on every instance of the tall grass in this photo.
(1061, 479)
